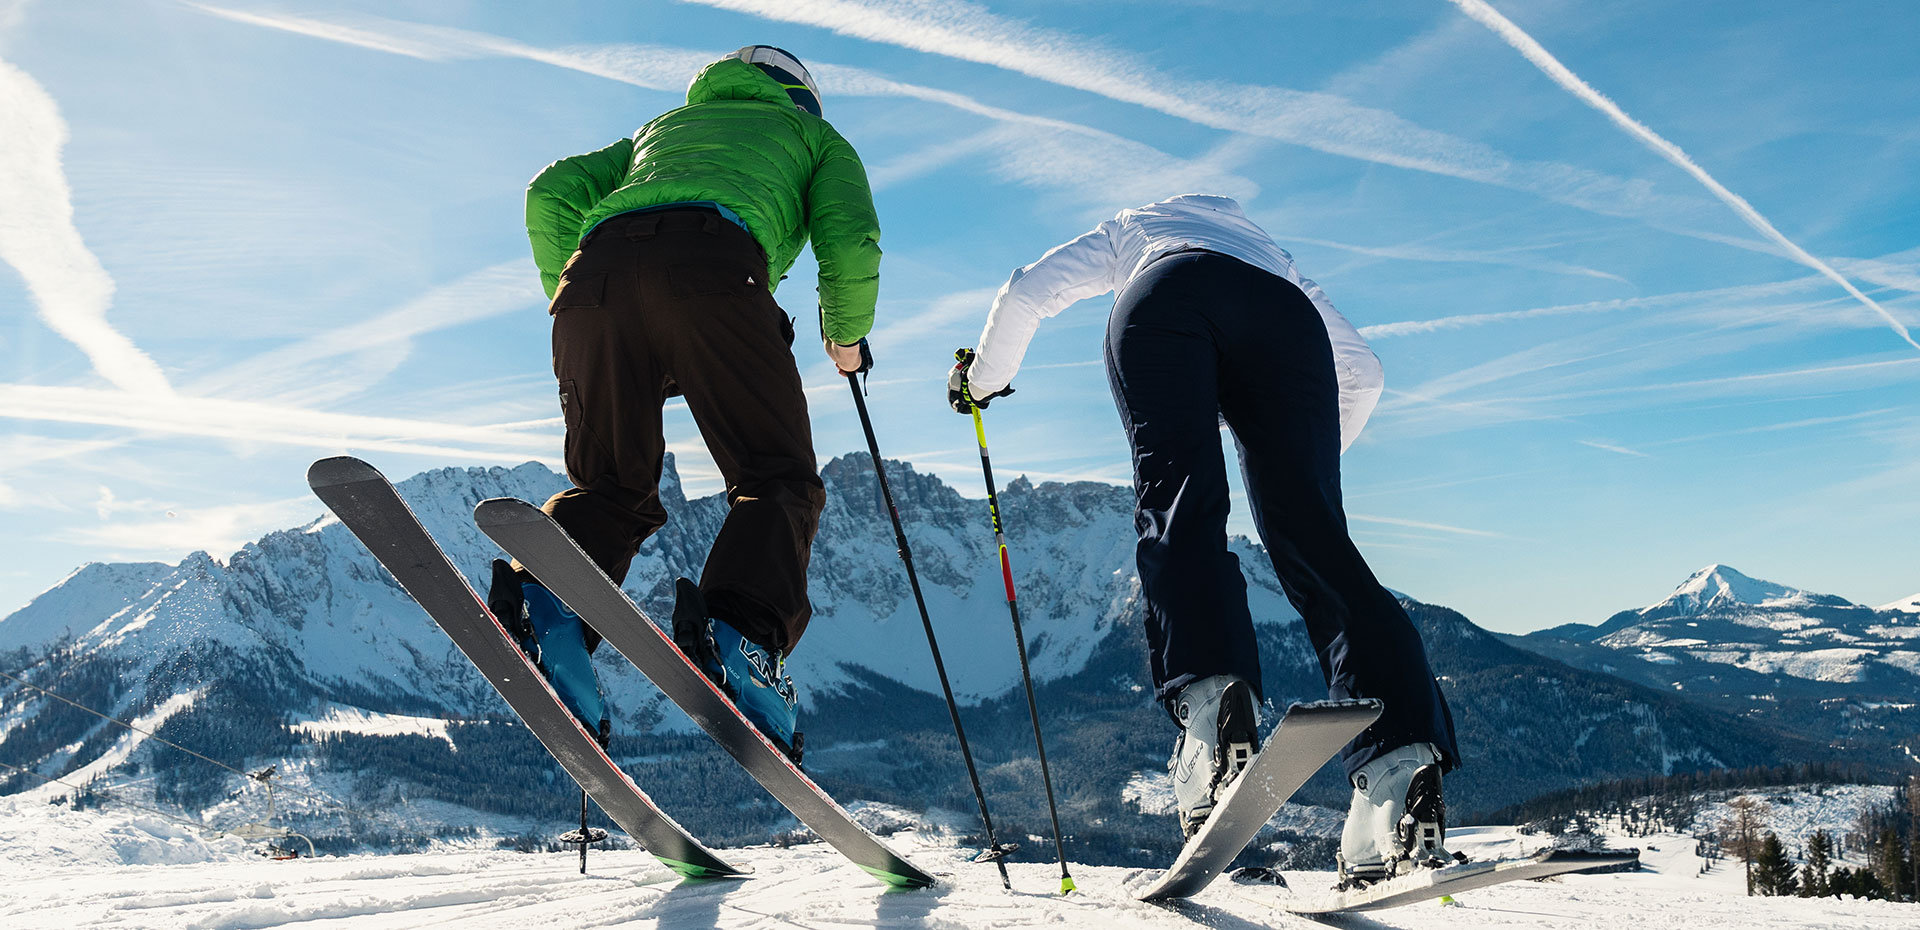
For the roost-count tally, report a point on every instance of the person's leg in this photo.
(1281, 400)
(611, 390)
(1161, 364)
(730, 352)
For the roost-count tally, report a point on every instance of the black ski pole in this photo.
(995, 851)
(585, 836)
(1020, 640)
(583, 831)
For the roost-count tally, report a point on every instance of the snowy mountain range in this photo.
(299, 649)
(1765, 651)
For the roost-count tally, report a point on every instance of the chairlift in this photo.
(265, 831)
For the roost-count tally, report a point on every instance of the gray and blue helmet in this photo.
(780, 64)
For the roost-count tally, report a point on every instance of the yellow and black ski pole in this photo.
(1020, 641)
(994, 851)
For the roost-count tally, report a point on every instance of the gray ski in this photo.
(370, 507)
(1429, 884)
(553, 557)
(1306, 738)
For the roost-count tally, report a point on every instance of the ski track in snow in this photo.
(812, 887)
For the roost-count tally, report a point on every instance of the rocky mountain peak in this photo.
(1721, 587)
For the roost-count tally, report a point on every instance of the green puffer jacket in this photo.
(739, 142)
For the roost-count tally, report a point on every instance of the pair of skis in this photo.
(368, 505)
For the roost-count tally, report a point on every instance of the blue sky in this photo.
(1619, 343)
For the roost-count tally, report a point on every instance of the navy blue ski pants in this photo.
(1197, 336)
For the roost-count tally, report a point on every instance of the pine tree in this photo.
(1913, 834)
(1889, 864)
(1856, 883)
(1772, 870)
(1813, 875)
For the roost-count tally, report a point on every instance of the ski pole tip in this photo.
(1066, 885)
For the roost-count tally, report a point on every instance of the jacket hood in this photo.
(733, 79)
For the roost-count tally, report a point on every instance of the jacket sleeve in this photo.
(1070, 272)
(1354, 365)
(846, 240)
(559, 198)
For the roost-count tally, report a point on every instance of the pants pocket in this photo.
(583, 459)
(578, 292)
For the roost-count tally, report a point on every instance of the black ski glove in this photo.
(959, 396)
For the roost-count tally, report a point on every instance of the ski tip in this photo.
(902, 878)
(505, 511)
(340, 469)
(696, 871)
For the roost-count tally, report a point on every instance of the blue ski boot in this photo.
(753, 676)
(554, 637)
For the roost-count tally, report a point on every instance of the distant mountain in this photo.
(1810, 663)
(299, 649)
(1906, 604)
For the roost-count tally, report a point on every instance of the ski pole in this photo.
(994, 850)
(1020, 640)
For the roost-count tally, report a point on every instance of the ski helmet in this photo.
(780, 65)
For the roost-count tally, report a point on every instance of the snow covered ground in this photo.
(1794, 814)
(119, 869)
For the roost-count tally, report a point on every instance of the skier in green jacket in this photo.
(661, 253)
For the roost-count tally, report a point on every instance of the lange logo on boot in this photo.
(766, 671)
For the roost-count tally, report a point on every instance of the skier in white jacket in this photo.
(1212, 322)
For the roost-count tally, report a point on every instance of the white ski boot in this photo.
(1219, 733)
(1398, 821)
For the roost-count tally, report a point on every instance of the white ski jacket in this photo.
(1112, 253)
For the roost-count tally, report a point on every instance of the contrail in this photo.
(1320, 121)
(1033, 150)
(1486, 15)
(38, 238)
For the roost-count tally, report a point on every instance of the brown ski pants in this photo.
(676, 301)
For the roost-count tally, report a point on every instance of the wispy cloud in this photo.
(1723, 296)
(18, 452)
(1033, 150)
(1505, 257)
(423, 47)
(1803, 423)
(1319, 121)
(145, 528)
(310, 371)
(249, 421)
(940, 316)
(1419, 524)
(1837, 376)
(1534, 52)
(1610, 447)
(38, 238)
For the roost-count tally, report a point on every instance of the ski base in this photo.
(1433, 884)
(373, 511)
(558, 562)
(1306, 738)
